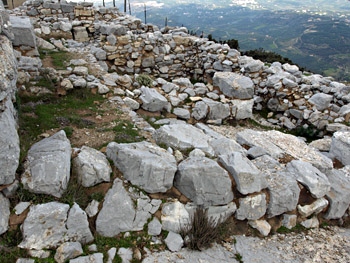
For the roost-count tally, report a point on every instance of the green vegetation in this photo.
(40, 113)
(267, 56)
(232, 43)
(59, 58)
(9, 252)
(239, 258)
(297, 229)
(126, 132)
(144, 80)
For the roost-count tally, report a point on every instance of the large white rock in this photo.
(321, 101)
(78, 225)
(9, 144)
(217, 110)
(251, 207)
(203, 181)
(242, 109)
(339, 195)
(91, 166)
(183, 137)
(94, 258)
(247, 177)
(174, 241)
(340, 146)
(283, 188)
(314, 208)
(200, 110)
(48, 165)
(4, 214)
(152, 100)
(144, 164)
(45, 226)
(278, 144)
(118, 212)
(309, 176)
(51, 224)
(67, 251)
(234, 85)
(175, 217)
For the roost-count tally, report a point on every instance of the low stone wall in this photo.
(292, 98)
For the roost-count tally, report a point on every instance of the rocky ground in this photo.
(330, 244)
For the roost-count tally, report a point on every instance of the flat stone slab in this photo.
(309, 176)
(47, 170)
(278, 144)
(247, 177)
(144, 164)
(182, 137)
(23, 31)
(203, 181)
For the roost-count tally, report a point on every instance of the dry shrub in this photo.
(202, 230)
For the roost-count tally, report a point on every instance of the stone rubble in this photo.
(256, 177)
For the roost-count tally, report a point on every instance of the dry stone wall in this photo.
(122, 43)
(262, 178)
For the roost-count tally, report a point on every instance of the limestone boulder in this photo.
(340, 146)
(118, 212)
(224, 145)
(321, 101)
(45, 226)
(23, 31)
(339, 194)
(203, 181)
(9, 144)
(144, 164)
(278, 144)
(242, 109)
(309, 176)
(93, 258)
(91, 166)
(251, 207)
(217, 110)
(152, 100)
(315, 208)
(4, 214)
(174, 241)
(182, 137)
(174, 217)
(283, 188)
(247, 177)
(234, 85)
(47, 169)
(78, 225)
(200, 110)
(68, 250)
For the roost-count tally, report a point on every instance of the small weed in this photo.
(69, 131)
(75, 193)
(144, 80)
(283, 230)
(239, 257)
(98, 196)
(297, 229)
(24, 195)
(151, 122)
(324, 225)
